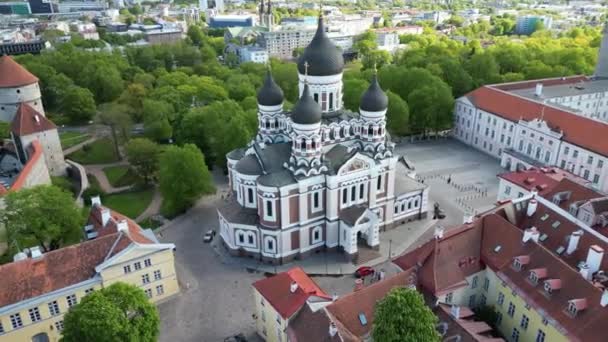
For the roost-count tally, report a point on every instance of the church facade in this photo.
(318, 177)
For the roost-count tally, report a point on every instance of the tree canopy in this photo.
(119, 312)
(44, 216)
(402, 316)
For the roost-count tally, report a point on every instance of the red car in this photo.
(364, 271)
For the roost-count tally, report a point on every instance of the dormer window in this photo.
(516, 264)
(572, 309)
(533, 277)
(548, 288)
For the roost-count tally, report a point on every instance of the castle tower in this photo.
(270, 107)
(325, 66)
(372, 108)
(17, 85)
(29, 125)
(601, 68)
(306, 138)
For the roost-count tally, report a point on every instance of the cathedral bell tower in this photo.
(270, 108)
(373, 107)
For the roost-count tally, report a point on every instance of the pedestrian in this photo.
(450, 179)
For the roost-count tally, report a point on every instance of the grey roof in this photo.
(236, 154)
(234, 213)
(601, 68)
(350, 215)
(249, 165)
(306, 111)
(273, 156)
(323, 57)
(337, 156)
(404, 183)
(600, 205)
(277, 179)
(562, 90)
(270, 94)
(339, 115)
(374, 99)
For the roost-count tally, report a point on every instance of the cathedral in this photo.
(318, 177)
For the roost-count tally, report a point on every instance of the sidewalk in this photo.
(79, 146)
(397, 241)
(153, 208)
(97, 171)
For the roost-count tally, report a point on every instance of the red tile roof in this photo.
(576, 129)
(28, 121)
(13, 75)
(55, 270)
(277, 291)
(34, 155)
(577, 192)
(467, 329)
(545, 82)
(111, 227)
(541, 180)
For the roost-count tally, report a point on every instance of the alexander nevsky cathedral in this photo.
(318, 177)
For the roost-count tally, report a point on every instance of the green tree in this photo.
(402, 316)
(142, 154)
(119, 312)
(133, 97)
(430, 107)
(78, 104)
(116, 117)
(156, 120)
(183, 177)
(104, 80)
(44, 216)
(353, 89)
(398, 114)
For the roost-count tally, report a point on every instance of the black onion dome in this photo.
(323, 57)
(374, 99)
(270, 94)
(306, 111)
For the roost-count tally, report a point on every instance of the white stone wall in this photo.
(51, 147)
(592, 105)
(10, 98)
(584, 163)
(508, 190)
(326, 90)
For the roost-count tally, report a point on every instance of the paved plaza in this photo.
(216, 298)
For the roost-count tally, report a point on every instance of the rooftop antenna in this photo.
(306, 65)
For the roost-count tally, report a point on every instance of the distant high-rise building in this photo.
(219, 5)
(527, 24)
(203, 5)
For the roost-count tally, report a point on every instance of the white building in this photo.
(549, 122)
(318, 177)
(253, 54)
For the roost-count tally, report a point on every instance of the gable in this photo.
(356, 163)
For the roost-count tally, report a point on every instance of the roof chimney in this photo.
(358, 284)
(584, 270)
(573, 241)
(531, 234)
(468, 218)
(594, 258)
(333, 330)
(455, 311)
(105, 216)
(95, 200)
(532, 205)
(439, 232)
(19, 256)
(293, 287)
(122, 226)
(35, 252)
(539, 89)
(604, 300)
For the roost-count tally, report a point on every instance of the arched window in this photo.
(313, 145)
(416, 203)
(370, 130)
(403, 206)
(409, 205)
(267, 123)
(331, 101)
(303, 144)
(332, 134)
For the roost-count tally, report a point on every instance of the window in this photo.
(498, 318)
(160, 290)
(379, 185)
(59, 325)
(524, 322)
(315, 200)
(344, 196)
(474, 282)
(127, 269)
(575, 153)
(241, 237)
(515, 335)
(600, 163)
(516, 264)
(34, 314)
(511, 310)
(147, 263)
(145, 278)
(269, 208)
(270, 245)
(572, 309)
(1, 328)
(596, 178)
(16, 321)
(540, 336)
(533, 278)
(250, 239)
(501, 298)
(586, 174)
(250, 195)
(566, 150)
(71, 299)
(472, 301)
(278, 319)
(157, 275)
(54, 308)
(486, 284)
(590, 160)
(89, 290)
(137, 265)
(448, 298)
(361, 191)
(148, 293)
(353, 189)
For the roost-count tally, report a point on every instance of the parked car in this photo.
(364, 271)
(209, 236)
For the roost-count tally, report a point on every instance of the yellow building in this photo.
(279, 298)
(37, 289)
(506, 259)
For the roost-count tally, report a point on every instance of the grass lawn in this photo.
(149, 223)
(131, 203)
(120, 176)
(69, 139)
(98, 152)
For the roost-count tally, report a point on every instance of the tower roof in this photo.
(601, 68)
(28, 121)
(270, 94)
(306, 111)
(13, 75)
(322, 55)
(374, 99)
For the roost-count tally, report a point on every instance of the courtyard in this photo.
(216, 298)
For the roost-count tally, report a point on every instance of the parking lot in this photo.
(216, 298)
